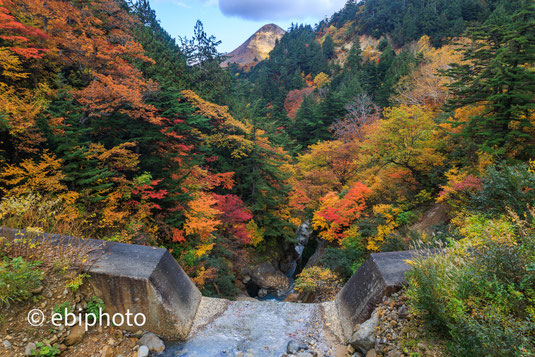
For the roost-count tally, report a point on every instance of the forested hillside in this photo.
(111, 129)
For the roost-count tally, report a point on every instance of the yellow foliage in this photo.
(424, 85)
(318, 280)
(30, 176)
(118, 158)
(203, 249)
(406, 137)
(203, 275)
(255, 233)
(226, 131)
(321, 80)
(461, 116)
(477, 230)
(11, 65)
(388, 213)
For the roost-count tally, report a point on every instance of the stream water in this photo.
(302, 238)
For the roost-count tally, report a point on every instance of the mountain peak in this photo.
(271, 28)
(257, 47)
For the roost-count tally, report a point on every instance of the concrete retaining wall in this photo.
(140, 279)
(148, 280)
(381, 275)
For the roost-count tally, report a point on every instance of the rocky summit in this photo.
(256, 48)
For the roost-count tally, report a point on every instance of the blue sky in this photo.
(233, 21)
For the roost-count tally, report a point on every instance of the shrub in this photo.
(44, 350)
(75, 283)
(63, 309)
(480, 293)
(49, 214)
(17, 279)
(317, 280)
(94, 306)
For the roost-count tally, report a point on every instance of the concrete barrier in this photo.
(140, 279)
(148, 280)
(381, 275)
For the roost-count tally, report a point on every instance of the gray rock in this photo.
(268, 277)
(294, 347)
(7, 344)
(364, 338)
(403, 312)
(29, 348)
(262, 293)
(153, 342)
(143, 351)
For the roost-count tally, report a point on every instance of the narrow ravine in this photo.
(302, 239)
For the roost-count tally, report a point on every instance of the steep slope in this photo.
(257, 47)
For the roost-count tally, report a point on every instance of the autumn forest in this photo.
(110, 128)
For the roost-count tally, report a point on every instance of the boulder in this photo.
(143, 351)
(266, 276)
(29, 348)
(364, 338)
(153, 342)
(76, 336)
(262, 293)
(293, 297)
(294, 347)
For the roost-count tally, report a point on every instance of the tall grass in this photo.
(480, 292)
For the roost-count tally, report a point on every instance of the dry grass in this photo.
(54, 252)
(27, 218)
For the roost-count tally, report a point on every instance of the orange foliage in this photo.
(201, 216)
(294, 99)
(336, 215)
(328, 166)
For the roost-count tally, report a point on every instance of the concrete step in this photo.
(263, 328)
